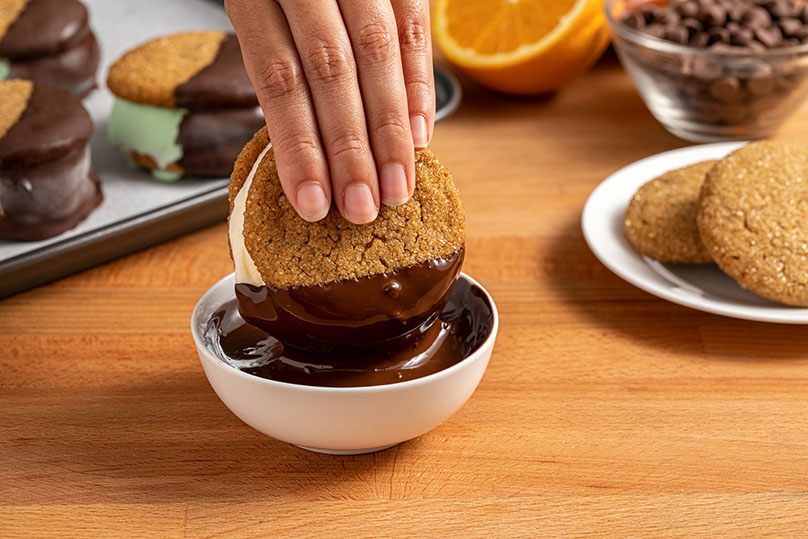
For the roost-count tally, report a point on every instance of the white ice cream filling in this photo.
(246, 272)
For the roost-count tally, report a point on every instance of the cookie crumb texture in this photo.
(753, 217)
(14, 96)
(660, 221)
(150, 73)
(9, 12)
(288, 251)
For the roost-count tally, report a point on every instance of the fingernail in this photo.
(394, 185)
(360, 208)
(312, 203)
(419, 135)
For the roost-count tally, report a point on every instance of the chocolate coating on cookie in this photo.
(45, 27)
(52, 124)
(46, 182)
(50, 42)
(753, 218)
(222, 83)
(150, 73)
(660, 221)
(289, 251)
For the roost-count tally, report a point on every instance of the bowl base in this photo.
(347, 451)
(706, 135)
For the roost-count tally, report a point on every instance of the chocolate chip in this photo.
(677, 34)
(757, 17)
(667, 17)
(801, 33)
(718, 35)
(634, 20)
(790, 26)
(656, 30)
(741, 37)
(770, 37)
(713, 14)
(648, 14)
(781, 8)
(727, 90)
(761, 85)
(756, 46)
(688, 8)
(699, 40)
(693, 26)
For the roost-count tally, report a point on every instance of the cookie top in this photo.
(51, 123)
(660, 221)
(753, 218)
(193, 70)
(36, 28)
(289, 251)
(14, 96)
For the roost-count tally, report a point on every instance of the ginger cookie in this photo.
(48, 42)
(289, 251)
(330, 284)
(184, 105)
(753, 219)
(47, 184)
(660, 221)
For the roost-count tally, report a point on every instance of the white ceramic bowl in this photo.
(339, 420)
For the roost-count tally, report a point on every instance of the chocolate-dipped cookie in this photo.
(49, 42)
(46, 183)
(331, 284)
(184, 105)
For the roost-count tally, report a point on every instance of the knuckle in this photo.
(348, 145)
(393, 126)
(413, 36)
(297, 148)
(328, 63)
(419, 88)
(279, 78)
(374, 43)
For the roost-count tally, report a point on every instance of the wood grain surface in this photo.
(604, 410)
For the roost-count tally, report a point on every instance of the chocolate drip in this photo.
(45, 27)
(211, 140)
(463, 326)
(223, 83)
(366, 312)
(52, 124)
(72, 69)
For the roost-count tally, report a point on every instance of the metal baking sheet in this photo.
(137, 211)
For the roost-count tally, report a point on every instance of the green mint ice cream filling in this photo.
(5, 68)
(147, 130)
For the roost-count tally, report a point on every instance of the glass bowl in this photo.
(709, 95)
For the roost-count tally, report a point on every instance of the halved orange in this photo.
(521, 46)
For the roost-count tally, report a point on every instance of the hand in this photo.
(348, 93)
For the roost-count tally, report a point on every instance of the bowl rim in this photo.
(384, 388)
(661, 45)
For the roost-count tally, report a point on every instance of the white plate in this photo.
(700, 286)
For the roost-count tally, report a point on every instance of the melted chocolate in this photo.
(52, 124)
(46, 199)
(45, 27)
(211, 140)
(464, 324)
(223, 83)
(72, 69)
(344, 315)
